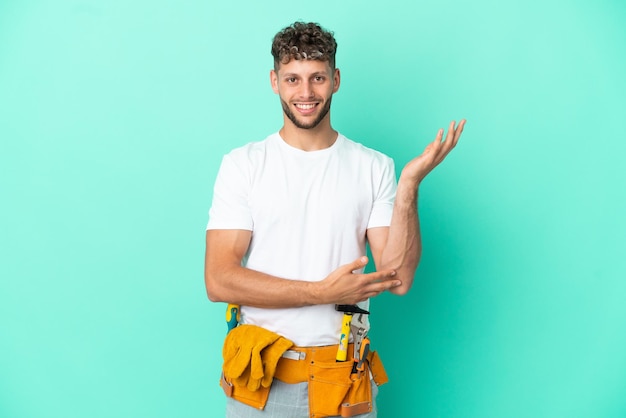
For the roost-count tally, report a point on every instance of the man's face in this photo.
(305, 88)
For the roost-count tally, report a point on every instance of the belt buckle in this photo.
(294, 355)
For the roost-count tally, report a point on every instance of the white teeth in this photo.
(305, 106)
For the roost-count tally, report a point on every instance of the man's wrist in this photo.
(314, 293)
(407, 190)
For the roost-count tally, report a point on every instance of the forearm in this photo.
(228, 281)
(403, 248)
(240, 285)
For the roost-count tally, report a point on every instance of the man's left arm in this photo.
(399, 246)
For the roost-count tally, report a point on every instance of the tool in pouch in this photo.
(359, 328)
(361, 344)
(233, 316)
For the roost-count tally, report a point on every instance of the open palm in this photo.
(434, 153)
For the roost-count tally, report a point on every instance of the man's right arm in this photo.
(228, 281)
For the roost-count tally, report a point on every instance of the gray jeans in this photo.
(285, 401)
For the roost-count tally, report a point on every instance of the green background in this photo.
(114, 116)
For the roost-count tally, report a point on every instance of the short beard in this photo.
(313, 123)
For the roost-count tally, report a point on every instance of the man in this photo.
(286, 241)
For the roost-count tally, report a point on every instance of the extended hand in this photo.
(343, 286)
(433, 154)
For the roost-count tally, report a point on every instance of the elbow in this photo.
(212, 297)
(406, 275)
(401, 290)
(404, 264)
(213, 291)
(404, 287)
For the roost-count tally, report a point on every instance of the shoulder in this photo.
(358, 150)
(251, 149)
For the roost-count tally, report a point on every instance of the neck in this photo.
(321, 137)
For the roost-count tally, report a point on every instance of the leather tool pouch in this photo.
(376, 367)
(329, 384)
(333, 390)
(256, 399)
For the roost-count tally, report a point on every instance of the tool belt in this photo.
(334, 389)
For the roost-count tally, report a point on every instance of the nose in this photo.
(307, 90)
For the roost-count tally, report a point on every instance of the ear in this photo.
(336, 80)
(274, 80)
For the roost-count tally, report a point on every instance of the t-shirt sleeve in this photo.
(385, 196)
(230, 208)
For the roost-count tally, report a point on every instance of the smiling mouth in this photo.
(305, 107)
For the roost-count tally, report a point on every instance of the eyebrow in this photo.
(315, 74)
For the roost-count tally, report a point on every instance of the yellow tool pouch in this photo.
(256, 399)
(333, 389)
(330, 388)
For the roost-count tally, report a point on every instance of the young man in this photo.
(286, 241)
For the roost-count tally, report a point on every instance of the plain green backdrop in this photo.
(114, 116)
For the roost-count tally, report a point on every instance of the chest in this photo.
(324, 192)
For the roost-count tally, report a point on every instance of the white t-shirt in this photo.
(308, 213)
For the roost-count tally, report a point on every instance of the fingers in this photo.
(452, 138)
(453, 134)
(439, 136)
(448, 144)
(457, 132)
(377, 288)
(354, 288)
(384, 276)
(373, 284)
(357, 264)
(379, 281)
